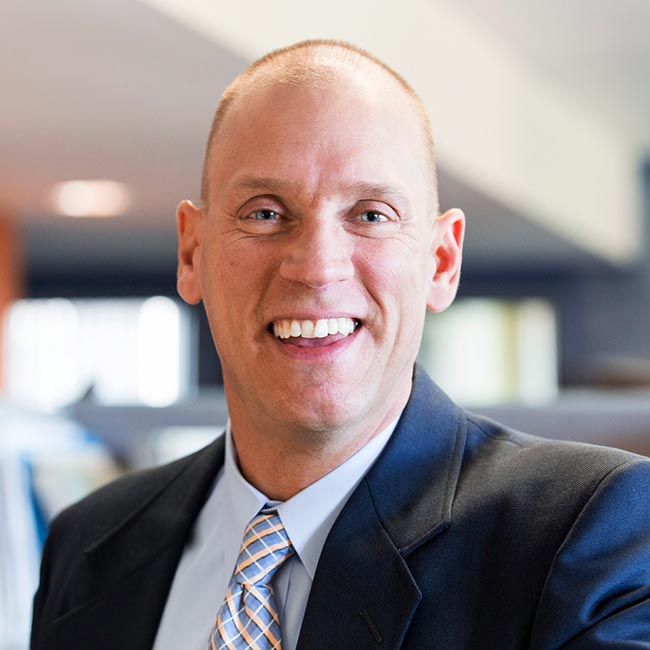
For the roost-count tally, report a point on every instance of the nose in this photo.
(319, 254)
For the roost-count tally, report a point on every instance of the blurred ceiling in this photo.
(596, 50)
(123, 90)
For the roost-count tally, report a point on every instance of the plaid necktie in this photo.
(248, 617)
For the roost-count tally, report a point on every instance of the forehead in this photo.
(348, 127)
(317, 107)
(330, 77)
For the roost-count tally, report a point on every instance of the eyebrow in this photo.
(361, 189)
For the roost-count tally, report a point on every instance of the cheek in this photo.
(235, 279)
(397, 282)
(395, 273)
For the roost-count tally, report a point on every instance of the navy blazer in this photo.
(462, 535)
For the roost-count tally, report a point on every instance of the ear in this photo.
(447, 252)
(189, 223)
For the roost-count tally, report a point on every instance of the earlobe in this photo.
(188, 221)
(447, 256)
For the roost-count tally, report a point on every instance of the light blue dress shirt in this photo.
(207, 563)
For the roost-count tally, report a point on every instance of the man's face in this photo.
(317, 254)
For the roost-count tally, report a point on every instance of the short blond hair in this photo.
(318, 61)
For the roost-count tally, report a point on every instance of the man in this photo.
(382, 515)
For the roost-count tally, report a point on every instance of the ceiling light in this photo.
(90, 198)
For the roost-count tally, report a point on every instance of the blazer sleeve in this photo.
(39, 599)
(597, 593)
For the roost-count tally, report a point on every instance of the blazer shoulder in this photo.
(597, 592)
(109, 506)
(485, 434)
(559, 477)
(118, 529)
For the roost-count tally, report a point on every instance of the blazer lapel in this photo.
(133, 565)
(363, 594)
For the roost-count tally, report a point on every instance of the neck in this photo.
(282, 461)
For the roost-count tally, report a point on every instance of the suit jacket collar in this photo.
(413, 482)
(164, 516)
(363, 582)
(132, 564)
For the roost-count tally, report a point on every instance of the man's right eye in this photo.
(265, 215)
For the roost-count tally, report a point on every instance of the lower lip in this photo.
(319, 352)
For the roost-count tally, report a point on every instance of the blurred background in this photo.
(540, 113)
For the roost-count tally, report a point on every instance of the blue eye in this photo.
(370, 216)
(265, 215)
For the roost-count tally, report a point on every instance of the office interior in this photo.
(540, 119)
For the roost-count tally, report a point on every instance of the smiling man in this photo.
(316, 252)
(349, 504)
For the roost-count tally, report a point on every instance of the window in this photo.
(487, 351)
(123, 350)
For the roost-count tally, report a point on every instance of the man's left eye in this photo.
(265, 215)
(370, 216)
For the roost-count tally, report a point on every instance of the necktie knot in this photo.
(264, 548)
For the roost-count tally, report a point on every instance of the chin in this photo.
(319, 417)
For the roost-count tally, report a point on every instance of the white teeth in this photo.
(309, 329)
(320, 331)
(342, 325)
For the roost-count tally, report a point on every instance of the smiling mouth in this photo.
(340, 328)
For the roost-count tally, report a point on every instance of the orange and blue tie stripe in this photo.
(248, 617)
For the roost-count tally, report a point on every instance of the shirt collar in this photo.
(309, 515)
(243, 501)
